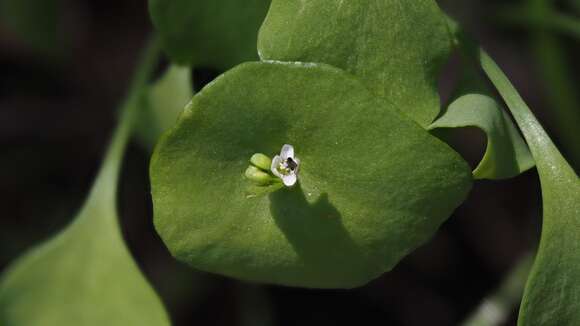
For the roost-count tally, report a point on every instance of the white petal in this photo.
(275, 164)
(297, 160)
(289, 180)
(287, 151)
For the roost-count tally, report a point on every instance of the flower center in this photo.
(287, 166)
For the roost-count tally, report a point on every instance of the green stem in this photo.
(560, 188)
(543, 149)
(556, 75)
(544, 20)
(496, 308)
(560, 91)
(105, 186)
(557, 252)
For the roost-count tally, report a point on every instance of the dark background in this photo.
(57, 111)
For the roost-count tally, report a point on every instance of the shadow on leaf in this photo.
(318, 236)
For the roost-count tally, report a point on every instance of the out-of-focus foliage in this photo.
(162, 103)
(216, 33)
(35, 23)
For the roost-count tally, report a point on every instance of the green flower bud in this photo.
(261, 161)
(258, 176)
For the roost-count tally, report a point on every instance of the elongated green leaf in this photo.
(215, 33)
(163, 102)
(507, 154)
(553, 288)
(373, 185)
(395, 46)
(85, 275)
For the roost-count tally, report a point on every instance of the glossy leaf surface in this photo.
(553, 289)
(506, 154)
(396, 47)
(209, 33)
(373, 184)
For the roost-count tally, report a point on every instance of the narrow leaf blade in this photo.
(553, 289)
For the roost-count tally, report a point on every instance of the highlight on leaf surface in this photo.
(553, 288)
(395, 47)
(373, 184)
(506, 154)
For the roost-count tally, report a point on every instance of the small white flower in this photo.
(285, 166)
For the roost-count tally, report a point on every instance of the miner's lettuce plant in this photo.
(351, 86)
(367, 200)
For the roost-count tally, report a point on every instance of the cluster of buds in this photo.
(265, 171)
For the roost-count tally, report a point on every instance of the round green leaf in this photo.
(373, 185)
(396, 47)
(216, 33)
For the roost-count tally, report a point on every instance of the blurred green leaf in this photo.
(35, 23)
(553, 287)
(558, 79)
(396, 47)
(497, 308)
(545, 22)
(562, 91)
(162, 103)
(373, 184)
(507, 154)
(575, 4)
(541, 16)
(217, 34)
(85, 275)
